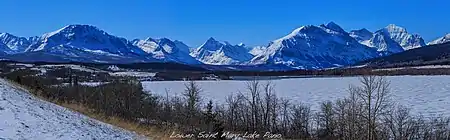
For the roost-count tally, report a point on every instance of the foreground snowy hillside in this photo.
(26, 117)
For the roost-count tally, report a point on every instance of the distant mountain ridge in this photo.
(388, 40)
(401, 36)
(315, 47)
(308, 47)
(16, 44)
(441, 40)
(166, 50)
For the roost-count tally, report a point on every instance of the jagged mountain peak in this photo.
(384, 44)
(395, 28)
(147, 39)
(78, 29)
(166, 50)
(211, 39)
(303, 29)
(5, 34)
(333, 26)
(221, 53)
(299, 32)
(401, 36)
(363, 30)
(14, 43)
(212, 45)
(75, 27)
(380, 40)
(361, 34)
(158, 40)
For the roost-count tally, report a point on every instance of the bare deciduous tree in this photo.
(374, 93)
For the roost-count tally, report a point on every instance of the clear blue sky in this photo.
(253, 22)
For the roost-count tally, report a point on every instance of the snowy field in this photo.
(426, 95)
(23, 116)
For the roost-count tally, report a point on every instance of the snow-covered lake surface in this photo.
(23, 117)
(426, 95)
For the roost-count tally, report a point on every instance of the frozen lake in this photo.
(426, 95)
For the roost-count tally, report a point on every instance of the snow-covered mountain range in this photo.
(388, 40)
(13, 44)
(401, 36)
(315, 47)
(86, 43)
(308, 47)
(166, 50)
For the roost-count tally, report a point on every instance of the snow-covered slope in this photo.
(166, 50)
(388, 40)
(3, 49)
(315, 47)
(383, 43)
(182, 47)
(441, 40)
(361, 35)
(257, 50)
(221, 53)
(402, 37)
(15, 44)
(25, 117)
